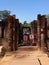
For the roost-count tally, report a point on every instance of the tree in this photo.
(47, 16)
(4, 14)
(25, 24)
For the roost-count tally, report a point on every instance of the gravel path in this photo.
(25, 57)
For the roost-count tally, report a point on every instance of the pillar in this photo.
(39, 29)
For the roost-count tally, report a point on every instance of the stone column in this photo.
(43, 26)
(15, 34)
(20, 33)
(17, 28)
(3, 26)
(45, 33)
(0, 34)
(9, 32)
(35, 32)
(39, 30)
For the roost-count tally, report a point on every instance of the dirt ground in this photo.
(27, 55)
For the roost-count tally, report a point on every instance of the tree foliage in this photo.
(25, 24)
(47, 16)
(4, 14)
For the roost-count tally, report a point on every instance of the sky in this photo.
(25, 10)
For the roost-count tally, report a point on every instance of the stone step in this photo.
(28, 48)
